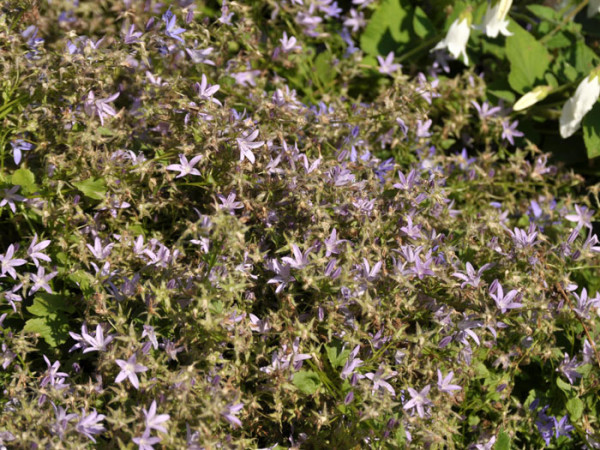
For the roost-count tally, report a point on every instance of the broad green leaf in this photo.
(591, 132)
(24, 178)
(324, 68)
(543, 12)
(575, 408)
(528, 59)
(307, 381)
(45, 304)
(422, 26)
(503, 441)
(563, 386)
(387, 29)
(94, 188)
(54, 331)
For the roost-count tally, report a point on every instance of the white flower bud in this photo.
(579, 105)
(531, 98)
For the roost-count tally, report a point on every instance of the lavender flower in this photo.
(129, 369)
(471, 278)
(40, 280)
(153, 421)
(418, 400)
(378, 379)
(247, 143)
(300, 260)
(171, 28)
(10, 196)
(231, 412)
(444, 383)
(35, 250)
(583, 216)
(184, 167)
(288, 44)
(145, 442)
(568, 367)
(509, 132)
(132, 36)
(229, 203)
(387, 66)
(19, 146)
(8, 262)
(504, 302)
(89, 425)
(100, 107)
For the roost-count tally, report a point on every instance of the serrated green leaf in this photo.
(336, 356)
(307, 381)
(94, 188)
(54, 331)
(591, 132)
(502, 442)
(386, 29)
(528, 59)
(24, 178)
(575, 408)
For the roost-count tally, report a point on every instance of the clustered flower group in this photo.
(196, 233)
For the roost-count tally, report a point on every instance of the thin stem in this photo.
(568, 18)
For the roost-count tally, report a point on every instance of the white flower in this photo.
(532, 97)
(579, 105)
(457, 38)
(495, 21)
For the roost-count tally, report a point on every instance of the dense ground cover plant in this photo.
(222, 228)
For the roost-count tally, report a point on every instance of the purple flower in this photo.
(288, 44)
(19, 146)
(300, 260)
(583, 216)
(132, 36)
(418, 400)
(524, 239)
(510, 131)
(59, 427)
(90, 425)
(53, 377)
(154, 421)
(356, 21)
(562, 427)
(484, 110)
(444, 382)
(352, 363)
(229, 203)
(8, 262)
(387, 66)
(378, 379)
(145, 442)
(471, 278)
(568, 367)
(206, 91)
(184, 167)
(40, 280)
(100, 252)
(231, 412)
(504, 302)
(35, 250)
(129, 369)
(247, 143)
(332, 243)
(10, 196)
(171, 28)
(100, 107)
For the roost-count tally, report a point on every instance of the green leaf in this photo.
(94, 188)
(307, 381)
(528, 59)
(386, 30)
(503, 441)
(324, 68)
(591, 132)
(45, 304)
(54, 331)
(24, 178)
(336, 356)
(563, 386)
(422, 26)
(543, 12)
(575, 408)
